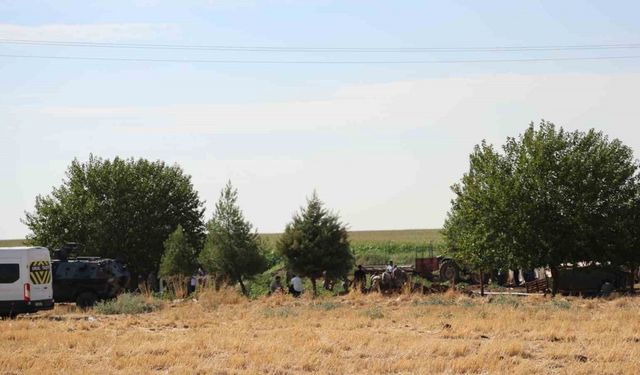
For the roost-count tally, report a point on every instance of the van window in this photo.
(9, 273)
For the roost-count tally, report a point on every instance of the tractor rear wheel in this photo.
(449, 271)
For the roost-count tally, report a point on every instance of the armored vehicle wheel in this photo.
(86, 300)
(449, 271)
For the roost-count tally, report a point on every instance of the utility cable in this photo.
(579, 47)
(334, 62)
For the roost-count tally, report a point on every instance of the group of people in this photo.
(295, 286)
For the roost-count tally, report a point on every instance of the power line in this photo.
(231, 48)
(334, 62)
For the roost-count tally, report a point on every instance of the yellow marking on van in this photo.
(40, 272)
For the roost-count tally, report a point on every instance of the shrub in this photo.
(561, 304)
(326, 305)
(374, 313)
(128, 304)
(279, 312)
(512, 301)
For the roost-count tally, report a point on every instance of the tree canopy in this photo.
(550, 197)
(316, 241)
(179, 256)
(120, 208)
(232, 249)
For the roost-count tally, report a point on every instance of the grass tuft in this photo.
(374, 312)
(128, 304)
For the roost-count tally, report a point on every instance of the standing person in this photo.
(276, 285)
(296, 286)
(192, 284)
(360, 279)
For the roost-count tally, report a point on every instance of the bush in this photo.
(512, 301)
(326, 305)
(279, 312)
(374, 313)
(561, 304)
(128, 304)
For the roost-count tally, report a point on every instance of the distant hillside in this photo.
(405, 236)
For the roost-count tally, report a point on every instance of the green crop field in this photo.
(11, 243)
(405, 236)
(369, 237)
(380, 246)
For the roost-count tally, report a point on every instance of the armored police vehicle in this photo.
(85, 280)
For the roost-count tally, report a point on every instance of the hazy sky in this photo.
(381, 143)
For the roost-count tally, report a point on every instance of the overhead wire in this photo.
(320, 49)
(294, 50)
(233, 61)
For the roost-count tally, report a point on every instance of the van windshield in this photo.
(9, 273)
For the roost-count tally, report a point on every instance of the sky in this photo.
(381, 143)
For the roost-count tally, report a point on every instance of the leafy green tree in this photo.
(316, 241)
(550, 198)
(120, 208)
(475, 226)
(179, 256)
(232, 249)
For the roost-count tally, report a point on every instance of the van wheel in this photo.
(86, 300)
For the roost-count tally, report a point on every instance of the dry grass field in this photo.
(222, 333)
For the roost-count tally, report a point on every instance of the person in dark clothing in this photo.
(276, 285)
(360, 279)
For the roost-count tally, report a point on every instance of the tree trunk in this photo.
(453, 284)
(555, 276)
(634, 272)
(313, 284)
(482, 283)
(244, 289)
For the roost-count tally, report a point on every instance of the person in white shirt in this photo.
(390, 267)
(296, 286)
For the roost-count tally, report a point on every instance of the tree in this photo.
(550, 198)
(120, 208)
(475, 226)
(232, 249)
(316, 241)
(179, 256)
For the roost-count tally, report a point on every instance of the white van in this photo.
(25, 280)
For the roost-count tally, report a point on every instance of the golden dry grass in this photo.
(222, 333)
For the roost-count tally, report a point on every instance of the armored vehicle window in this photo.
(9, 273)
